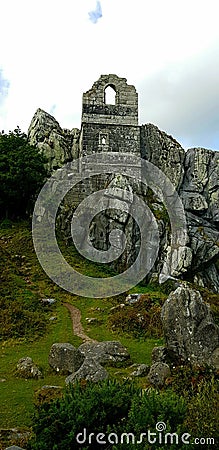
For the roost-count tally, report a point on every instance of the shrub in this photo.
(21, 312)
(142, 319)
(95, 407)
(186, 379)
(18, 320)
(22, 173)
(150, 409)
(199, 386)
(202, 418)
(107, 407)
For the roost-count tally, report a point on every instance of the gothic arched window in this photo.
(110, 95)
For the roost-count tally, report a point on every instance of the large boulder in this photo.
(189, 329)
(193, 173)
(200, 186)
(118, 201)
(214, 358)
(65, 358)
(90, 370)
(107, 352)
(27, 369)
(200, 195)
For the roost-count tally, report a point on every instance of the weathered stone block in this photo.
(90, 370)
(65, 358)
(158, 373)
(189, 329)
(106, 352)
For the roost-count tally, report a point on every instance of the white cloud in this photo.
(52, 53)
(184, 99)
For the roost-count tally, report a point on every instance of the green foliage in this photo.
(85, 405)
(142, 319)
(117, 408)
(202, 418)
(154, 407)
(22, 284)
(185, 380)
(21, 314)
(17, 321)
(6, 224)
(17, 394)
(105, 407)
(199, 386)
(47, 395)
(22, 173)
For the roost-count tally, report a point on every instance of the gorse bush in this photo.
(17, 321)
(142, 319)
(107, 407)
(125, 415)
(86, 405)
(153, 407)
(147, 412)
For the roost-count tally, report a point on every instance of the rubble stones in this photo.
(158, 373)
(141, 370)
(27, 369)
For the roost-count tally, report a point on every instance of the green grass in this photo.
(17, 393)
(24, 281)
(139, 349)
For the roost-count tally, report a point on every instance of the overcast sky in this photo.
(52, 51)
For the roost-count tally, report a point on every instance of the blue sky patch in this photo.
(95, 14)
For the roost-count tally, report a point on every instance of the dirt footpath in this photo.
(78, 330)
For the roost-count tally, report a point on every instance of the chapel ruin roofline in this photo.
(123, 112)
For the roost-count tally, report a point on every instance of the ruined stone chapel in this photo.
(111, 125)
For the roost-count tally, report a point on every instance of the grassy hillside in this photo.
(26, 328)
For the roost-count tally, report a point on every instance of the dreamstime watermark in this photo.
(160, 436)
(61, 183)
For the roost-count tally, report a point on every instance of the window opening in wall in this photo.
(103, 139)
(110, 95)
